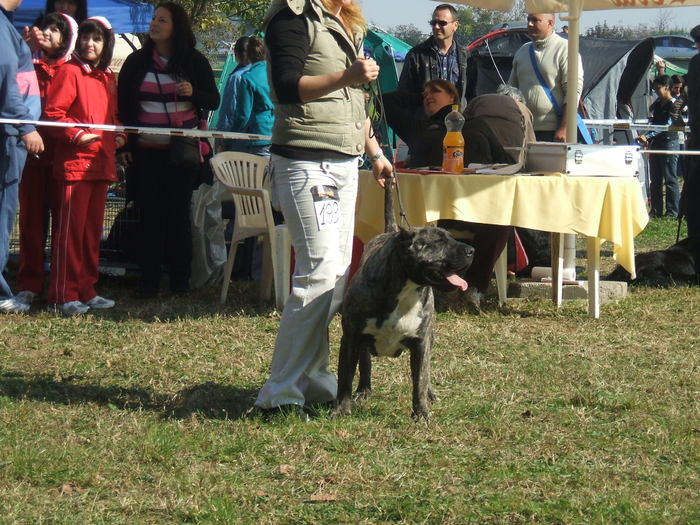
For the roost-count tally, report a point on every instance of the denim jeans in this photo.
(663, 174)
(12, 157)
(300, 373)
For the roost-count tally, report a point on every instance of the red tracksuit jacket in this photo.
(82, 93)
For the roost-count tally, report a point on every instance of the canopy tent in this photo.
(126, 16)
(394, 46)
(610, 67)
(671, 68)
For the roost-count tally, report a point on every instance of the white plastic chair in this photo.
(242, 175)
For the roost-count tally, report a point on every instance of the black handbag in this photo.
(183, 152)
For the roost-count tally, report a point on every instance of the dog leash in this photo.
(376, 94)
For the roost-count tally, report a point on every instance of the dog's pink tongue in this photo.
(456, 280)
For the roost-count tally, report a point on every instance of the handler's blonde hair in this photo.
(351, 16)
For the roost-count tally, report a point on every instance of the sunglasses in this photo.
(441, 23)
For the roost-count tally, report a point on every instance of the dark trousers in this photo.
(163, 195)
(691, 195)
(663, 174)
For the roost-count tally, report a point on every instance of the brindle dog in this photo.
(389, 304)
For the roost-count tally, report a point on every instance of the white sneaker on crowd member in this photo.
(100, 303)
(26, 296)
(13, 306)
(73, 308)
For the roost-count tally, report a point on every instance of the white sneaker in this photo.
(13, 306)
(26, 297)
(73, 308)
(100, 303)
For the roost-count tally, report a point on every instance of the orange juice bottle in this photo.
(453, 143)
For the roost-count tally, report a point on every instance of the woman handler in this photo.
(320, 130)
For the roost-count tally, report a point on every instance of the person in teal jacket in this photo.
(253, 104)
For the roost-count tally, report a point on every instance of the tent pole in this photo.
(574, 22)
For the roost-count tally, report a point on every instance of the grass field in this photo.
(142, 415)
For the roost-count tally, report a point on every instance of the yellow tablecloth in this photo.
(610, 208)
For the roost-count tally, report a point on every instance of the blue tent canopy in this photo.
(126, 16)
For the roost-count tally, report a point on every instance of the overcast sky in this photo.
(389, 13)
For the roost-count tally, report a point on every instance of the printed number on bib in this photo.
(327, 207)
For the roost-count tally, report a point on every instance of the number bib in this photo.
(327, 207)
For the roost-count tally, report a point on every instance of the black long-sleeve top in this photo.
(288, 45)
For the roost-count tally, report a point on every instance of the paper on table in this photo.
(495, 169)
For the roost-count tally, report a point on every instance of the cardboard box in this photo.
(585, 160)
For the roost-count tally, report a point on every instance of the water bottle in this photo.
(453, 143)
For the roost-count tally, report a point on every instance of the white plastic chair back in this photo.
(242, 175)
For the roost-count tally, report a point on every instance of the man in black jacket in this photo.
(438, 57)
(691, 188)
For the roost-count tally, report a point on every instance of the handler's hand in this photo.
(382, 171)
(183, 89)
(32, 141)
(643, 140)
(362, 71)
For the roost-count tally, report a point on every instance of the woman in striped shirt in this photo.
(167, 83)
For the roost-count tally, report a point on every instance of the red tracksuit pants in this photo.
(33, 224)
(77, 210)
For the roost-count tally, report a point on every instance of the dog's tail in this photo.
(389, 217)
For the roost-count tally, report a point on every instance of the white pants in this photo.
(300, 372)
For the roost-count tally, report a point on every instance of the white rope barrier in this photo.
(140, 130)
(616, 124)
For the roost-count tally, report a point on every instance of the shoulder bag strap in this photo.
(557, 109)
(165, 106)
(544, 85)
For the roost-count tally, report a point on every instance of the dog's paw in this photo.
(343, 409)
(431, 396)
(420, 414)
(363, 393)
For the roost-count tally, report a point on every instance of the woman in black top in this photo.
(662, 166)
(167, 83)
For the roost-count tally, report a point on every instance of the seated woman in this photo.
(424, 140)
(424, 137)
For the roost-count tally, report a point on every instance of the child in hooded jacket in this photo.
(59, 34)
(84, 90)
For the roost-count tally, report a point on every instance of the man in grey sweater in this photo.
(551, 55)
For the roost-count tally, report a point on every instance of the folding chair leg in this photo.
(281, 263)
(266, 276)
(227, 271)
(501, 268)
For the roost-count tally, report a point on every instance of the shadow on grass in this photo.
(209, 400)
(243, 299)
